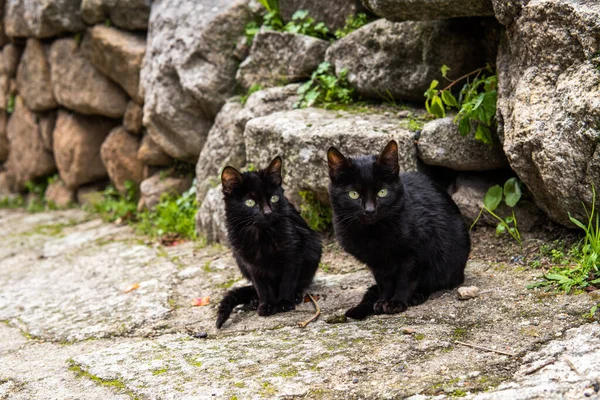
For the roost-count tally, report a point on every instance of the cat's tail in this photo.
(365, 307)
(241, 295)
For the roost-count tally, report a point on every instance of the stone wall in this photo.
(116, 90)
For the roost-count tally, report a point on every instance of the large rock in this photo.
(151, 189)
(549, 103)
(190, 69)
(507, 11)
(333, 13)
(27, 157)
(401, 59)
(210, 219)
(119, 155)
(33, 77)
(132, 120)
(151, 154)
(77, 141)
(277, 58)
(3, 137)
(3, 38)
(302, 137)
(11, 54)
(118, 55)
(59, 194)
(79, 86)
(42, 18)
(470, 189)
(441, 144)
(417, 10)
(225, 142)
(126, 14)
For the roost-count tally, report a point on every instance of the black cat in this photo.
(409, 232)
(273, 246)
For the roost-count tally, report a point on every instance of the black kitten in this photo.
(273, 246)
(410, 233)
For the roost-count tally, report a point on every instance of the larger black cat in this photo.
(410, 233)
(273, 246)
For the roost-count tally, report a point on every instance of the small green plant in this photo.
(353, 22)
(115, 205)
(317, 215)
(254, 88)
(584, 270)
(476, 103)
(173, 215)
(10, 106)
(325, 87)
(301, 23)
(511, 194)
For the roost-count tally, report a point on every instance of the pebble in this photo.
(468, 292)
(589, 392)
(562, 316)
(474, 374)
(200, 335)
(408, 331)
(403, 114)
(355, 380)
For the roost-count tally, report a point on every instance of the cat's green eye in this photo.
(382, 193)
(353, 194)
(274, 198)
(250, 203)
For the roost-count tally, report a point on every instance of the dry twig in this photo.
(536, 368)
(475, 346)
(315, 316)
(571, 365)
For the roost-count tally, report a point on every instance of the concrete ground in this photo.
(69, 330)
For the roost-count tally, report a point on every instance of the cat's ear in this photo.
(230, 178)
(337, 162)
(274, 170)
(388, 158)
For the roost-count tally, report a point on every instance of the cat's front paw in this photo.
(393, 307)
(285, 305)
(299, 298)
(266, 309)
(378, 307)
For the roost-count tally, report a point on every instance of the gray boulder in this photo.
(470, 189)
(133, 118)
(11, 54)
(333, 13)
(190, 69)
(225, 142)
(151, 154)
(210, 219)
(302, 137)
(27, 157)
(507, 11)
(119, 155)
(42, 18)
(401, 59)
(76, 144)
(33, 77)
(117, 54)
(441, 144)
(418, 10)
(126, 14)
(277, 58)
(59, 194)
(548, 103)
(79, 86)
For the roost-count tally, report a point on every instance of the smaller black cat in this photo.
(409, 232)
(273, 246)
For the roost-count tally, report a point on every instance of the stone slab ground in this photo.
(70, 332)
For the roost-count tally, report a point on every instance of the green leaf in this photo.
(483, 134)
(437, 107)
(434, 84)
(464, 126)
(449, 99)
(493, 197)
(445, 70)
(500, 229)
(512, 192)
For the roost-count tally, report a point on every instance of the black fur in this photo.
(414, 239)
(273, 246)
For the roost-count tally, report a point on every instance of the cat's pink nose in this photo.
(267, 210)
(369, 208)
